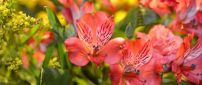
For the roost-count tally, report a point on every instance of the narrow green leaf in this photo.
(60, 38)
(68, 61)
(49, 53)
(53, 19)
(41, 77)
(55, 23)
(62, 55)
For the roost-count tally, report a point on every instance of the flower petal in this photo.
(47, 38)
(88, 24)
(189, 64)
(77, 53)
(199, 16)
(187, 10)
(164, 42)
(195, 52)
(67, 14)
(194, 75)
(85, 29)
(97, 60)
(74, 10)
(148, 73)
(144, 54)
(39, 56)
(116, 74)
(104, 31)
(87, 7)
(25, 60)
(100, 17)
(159, 7)
(112, 51)
(71, 11)
(147, 79)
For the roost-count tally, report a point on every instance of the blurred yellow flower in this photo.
(61, 18)
(119, 15)
(31, 4)
(119, 3)
(43, 15)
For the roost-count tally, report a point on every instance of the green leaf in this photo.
(134, 17)
(133, 20)
(81, 81)
(62, 55)
(149, 16)
(53, 76)
(129, 31)
(59, 31)
(40, 77)
(53, 20)
(68, 61)
(49, 53)
(119, 33)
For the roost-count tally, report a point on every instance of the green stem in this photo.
(41, 76)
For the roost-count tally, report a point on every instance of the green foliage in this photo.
(137, 19)
(12, 24)
(57, 27)
(48, 56)
(149, 16)
(129, 31)
(55, 77)
(12, 28)
(133, 17)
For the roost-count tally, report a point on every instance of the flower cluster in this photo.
(146, 58)
(12, 25)
(188, 13)
(140, 61)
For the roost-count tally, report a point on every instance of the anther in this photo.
(193, 66)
